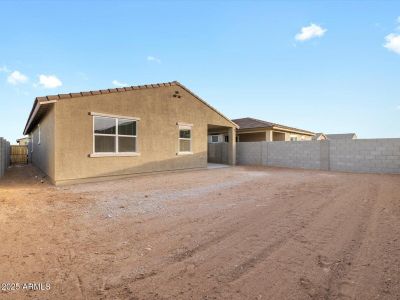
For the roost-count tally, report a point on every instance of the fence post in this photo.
(8, 155)
(4, 155)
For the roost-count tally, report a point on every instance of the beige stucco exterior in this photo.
(43, 151)
(67, 134)
(261, 134)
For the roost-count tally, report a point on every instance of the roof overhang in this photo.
(40, 105)
(39, 109)
(261, 129)
(293, 130)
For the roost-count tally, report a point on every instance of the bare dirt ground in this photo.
(232, 233)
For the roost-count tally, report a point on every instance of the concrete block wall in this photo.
(304, 155)
(4, 155)
(250, 153)
(369, 155)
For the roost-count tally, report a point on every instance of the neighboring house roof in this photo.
(40, 108)
(251, 123)
(318, 135)
(341, 136)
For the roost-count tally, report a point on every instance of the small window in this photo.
(114, 135)
(293, 138)
(226, 138)
(185, 139)
(214, 139)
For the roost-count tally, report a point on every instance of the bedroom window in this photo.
(114, 135)
(185, 139)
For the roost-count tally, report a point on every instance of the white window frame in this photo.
(185, 126)
(116, 135)
(294, 138)
(214, 135)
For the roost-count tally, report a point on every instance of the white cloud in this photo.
(119, 83)
(310, 32)
(16, 77)
(49, 81)
(393, 42)
(153, 58)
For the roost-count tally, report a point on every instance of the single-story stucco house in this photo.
(341, 136)
(117, 132)
(254, 130)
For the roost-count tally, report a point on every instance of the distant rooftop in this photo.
(250, 123)
(341, 136)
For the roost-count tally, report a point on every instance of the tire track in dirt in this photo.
(246, 224)
(235, 226)
(339, 284)
(300, 240)
(266, 252)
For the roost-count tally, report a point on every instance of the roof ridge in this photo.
(106, 91)
(54, 98)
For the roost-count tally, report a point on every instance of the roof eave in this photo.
(294, 130)
(35, 109)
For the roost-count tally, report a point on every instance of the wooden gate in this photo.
(19, 154)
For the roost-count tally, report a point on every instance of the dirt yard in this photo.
(232, 233)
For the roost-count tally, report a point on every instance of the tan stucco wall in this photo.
(255, 135)
(252, 137)
(300, 137)
(43, 155)
(157, 133)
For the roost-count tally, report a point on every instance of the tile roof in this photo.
(250, 123)
(52, 98)
(108, 91)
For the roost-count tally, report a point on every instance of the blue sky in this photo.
(242, 57)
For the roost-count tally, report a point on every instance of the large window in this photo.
(114, 135)
(185, 139)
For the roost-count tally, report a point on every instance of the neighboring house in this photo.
(254, 130)
(117, 132)
(23, 141)
(342, 136)
(319, 136)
